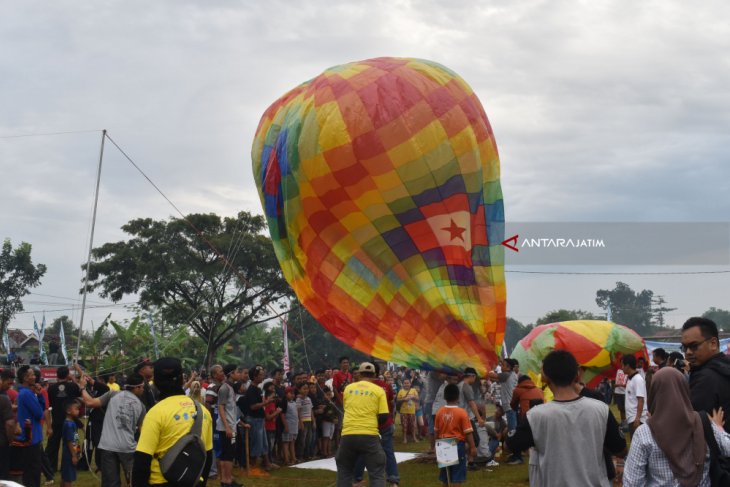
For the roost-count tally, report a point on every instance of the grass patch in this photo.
(412, 473)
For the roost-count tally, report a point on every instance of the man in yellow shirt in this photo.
(112, 383)
(366, 406)
(166, 422)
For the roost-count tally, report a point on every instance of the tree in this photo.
(628, 307)
(172, 267)
(659, 308)
(316, 347)
(69, 329)
(556, 316)
(18, 275)
(721, 317)
(514, 332)
(259, 345)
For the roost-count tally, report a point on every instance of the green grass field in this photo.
(417, 472)
(413, 473)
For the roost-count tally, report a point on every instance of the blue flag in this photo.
(62, 335)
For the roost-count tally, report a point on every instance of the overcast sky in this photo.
(602, 111)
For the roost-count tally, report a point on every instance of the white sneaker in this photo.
(492, 463)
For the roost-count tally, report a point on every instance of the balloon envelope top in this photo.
(597, 346)
(380, 183)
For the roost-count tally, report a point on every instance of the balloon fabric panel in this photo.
(597, 346)
(379, 180)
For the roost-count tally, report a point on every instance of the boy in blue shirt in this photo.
(71, 449)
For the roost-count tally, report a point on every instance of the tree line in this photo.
(213, 285)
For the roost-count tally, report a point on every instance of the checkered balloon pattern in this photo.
(379, 180)
(596, 345)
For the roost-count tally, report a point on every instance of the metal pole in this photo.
(91, 245)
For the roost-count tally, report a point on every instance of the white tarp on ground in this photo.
(329, 463)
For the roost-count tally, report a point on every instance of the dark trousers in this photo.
(53, 444)
(111, 462)
(391, 465)
(353, 446)
(32, 465)
(46, 468)
(4, 463)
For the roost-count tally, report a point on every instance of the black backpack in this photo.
(182, 465)
(719, 465)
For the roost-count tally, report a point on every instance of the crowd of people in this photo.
(672, 410)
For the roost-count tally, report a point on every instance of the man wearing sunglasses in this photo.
(709, 379)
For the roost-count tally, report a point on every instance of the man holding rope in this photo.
(124, 415)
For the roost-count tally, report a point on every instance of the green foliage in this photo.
(658, 310)
(514, 332)
(172, 268)
(18, 275)
(628, 307)
(721, 317)
(558, 315)
(69, 329)
(309, 339)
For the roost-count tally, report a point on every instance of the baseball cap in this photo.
(167, 369)
(470, 371)
(366, 367)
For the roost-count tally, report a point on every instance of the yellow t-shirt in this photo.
(408, 407)
(165, 423)
(363, 402)
(114, 387)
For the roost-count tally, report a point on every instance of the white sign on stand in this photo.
(447, 452)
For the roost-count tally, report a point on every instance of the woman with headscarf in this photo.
(670, 449)
(196, 392)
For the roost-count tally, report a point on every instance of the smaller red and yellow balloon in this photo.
(597, 346)
(379, 180)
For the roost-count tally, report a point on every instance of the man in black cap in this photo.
(59, 394)
(124, 415)
(165, 423)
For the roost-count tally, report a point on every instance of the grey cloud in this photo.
(602, 111)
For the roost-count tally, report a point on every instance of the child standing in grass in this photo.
(271, 412)
(291, 428)
(306, 422)
(329, 421)
(453, 422)
(70, 437)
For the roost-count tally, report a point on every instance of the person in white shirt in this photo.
(636, 405)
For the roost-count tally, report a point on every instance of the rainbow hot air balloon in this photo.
(597, 346)
(380, 183)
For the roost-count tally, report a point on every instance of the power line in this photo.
(42, 134)
(566, 273)
(74, 308)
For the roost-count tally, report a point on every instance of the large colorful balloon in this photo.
(380, 183)
(597, 346)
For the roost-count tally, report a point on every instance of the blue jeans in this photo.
(511, 426)
(511, 420)
(493, 445)
(258, 443)
(391, 466)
